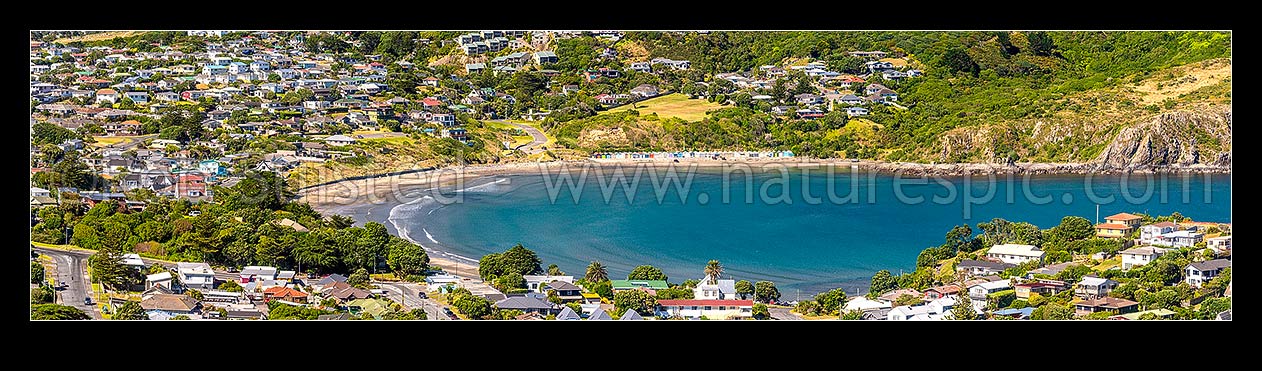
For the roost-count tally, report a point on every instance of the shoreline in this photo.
(365, 199)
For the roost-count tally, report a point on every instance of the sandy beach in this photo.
(372, 199)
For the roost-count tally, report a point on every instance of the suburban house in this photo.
(195, 275)
(343, 292)
(527, 304)
(1015, 253)
(1105, 304)
(568, 314)
(893, 296)
(536, 283)
(599, 314)
(714, 289)
(545, 57)
(339, 140)
(1159, 313)
(164, 280)
(1050, 270)
(856, 111)
(644, 91)
(1152, 232)
(934, 293)
(1094, 287)
(982, 267)
(165, 306)
(649, 285)
(568, 292)
(107, 95)
(283, 293)
(712, 309)
(1043, 288)
(938, 309)
(1199, 273)
(1184, 238)
(979, 291)
(1140, 256)
(1118, 225)
(1219, 244)
(257, 273)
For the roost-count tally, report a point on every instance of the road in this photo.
(72, 268)
(130, 142)
(406, 293)
(537, 138)
(782, 313)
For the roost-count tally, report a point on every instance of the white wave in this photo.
(429, 236)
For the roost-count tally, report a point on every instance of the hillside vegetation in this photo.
(986, 97)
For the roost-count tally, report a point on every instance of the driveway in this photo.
(537, 138)
(782, 313)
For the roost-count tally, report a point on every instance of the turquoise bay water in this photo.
(798, 245)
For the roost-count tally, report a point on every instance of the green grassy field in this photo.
(672, 105)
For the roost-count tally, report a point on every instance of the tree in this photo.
(359, 278)
(713, 271)
(957, 60)
(646, 272)
(510, 282)
(963, 310)
(1073, 273)
(554, 270)
(231, 286)
(1040, 43)
(57, 312)
(636, 300)
(744, 288)
(130, 311)
(761, 312)
(807, 307)
(108, 269)
(37, 272)
(906, 299)
(471, 305)
(406, 258)
(1210, 308)
(831, 301)
(1052, 312)
(882, 282)
(43, 294)
(854, 315)
(766, 292)
(596, 272)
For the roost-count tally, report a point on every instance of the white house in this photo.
(1152, 233)
(712, 289)
(710, 309)
(1199, 273)
(1219, 244)
(254, 273)
(856, 111)
(938, 309)
(132, 261)
(1094, 287)
(1015, 253)
(979, 291)
(537, 283)
(1179, 239)
(339, 140)
(196, 275)
(1140, 256)
(163, 279)
(439, 280)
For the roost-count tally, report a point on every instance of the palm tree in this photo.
(713, 270)
(596, 272)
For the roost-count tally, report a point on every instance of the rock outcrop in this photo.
(1175, 138)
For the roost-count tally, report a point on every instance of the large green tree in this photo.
(882, 282)
(766, 292)
(646, 272)
(130, 311)
(636, 300)
(57, 312)
(714, 270)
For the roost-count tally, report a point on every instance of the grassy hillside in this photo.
(671, 105)
(986, 96)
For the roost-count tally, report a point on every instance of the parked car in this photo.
(449, 313)
(87, 301)
(422, 295)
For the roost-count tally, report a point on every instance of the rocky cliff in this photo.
(1174, 138)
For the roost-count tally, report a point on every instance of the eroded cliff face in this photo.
(1174, 138)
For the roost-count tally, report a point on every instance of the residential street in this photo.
(536, 145)
(72, 268)
(782, 313)
(405, 293)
